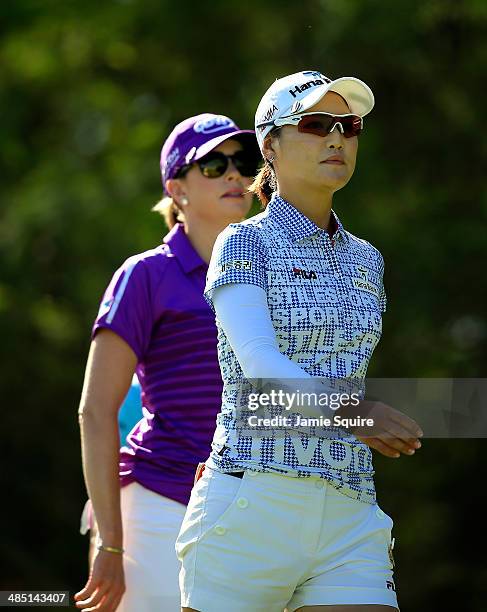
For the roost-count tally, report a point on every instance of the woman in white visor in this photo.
(284, 514)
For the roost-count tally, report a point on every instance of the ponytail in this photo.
(171, 212)
(264, 184)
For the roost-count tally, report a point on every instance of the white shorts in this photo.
(267, 542)
(150, 525)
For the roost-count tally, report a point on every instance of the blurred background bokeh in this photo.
(88, 92)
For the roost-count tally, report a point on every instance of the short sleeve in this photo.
(126, 307)
(382, 292)
(238, 257)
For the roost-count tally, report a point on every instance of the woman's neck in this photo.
(202, 236)
(316, 205)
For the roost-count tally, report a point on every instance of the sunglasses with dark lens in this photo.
(322, 124)
(215, 164)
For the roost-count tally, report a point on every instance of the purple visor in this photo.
(193, 138)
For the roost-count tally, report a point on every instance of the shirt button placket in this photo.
(335, 264)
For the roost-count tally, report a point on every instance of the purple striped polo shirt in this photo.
(155, 303)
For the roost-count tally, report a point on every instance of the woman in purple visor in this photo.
(153, 320)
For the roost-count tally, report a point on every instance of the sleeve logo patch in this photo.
(105, 307)
(364, 273)
(358, 283)
(363, 282)
(236, 264)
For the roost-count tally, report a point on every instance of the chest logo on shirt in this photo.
(363, 282)
(298, 273)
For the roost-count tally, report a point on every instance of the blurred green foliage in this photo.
(88, 92)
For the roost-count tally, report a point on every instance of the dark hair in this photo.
(265, 182)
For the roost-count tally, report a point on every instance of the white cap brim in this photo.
(355, 92)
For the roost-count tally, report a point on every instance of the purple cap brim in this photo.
(212, 144)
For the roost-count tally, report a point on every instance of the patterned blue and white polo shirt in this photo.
(325, 296)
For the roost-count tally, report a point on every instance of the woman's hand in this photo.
(392, 432)
(105, 586)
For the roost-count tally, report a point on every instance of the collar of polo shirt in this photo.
(182, 248)
(297, 224)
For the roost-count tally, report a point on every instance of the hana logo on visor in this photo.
(316, 79)
(213, 124)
